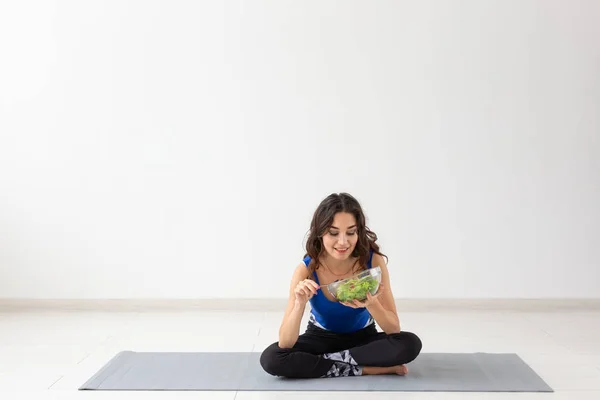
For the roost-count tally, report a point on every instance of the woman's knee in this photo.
(411, 345)
(417, 345)
(271, 359)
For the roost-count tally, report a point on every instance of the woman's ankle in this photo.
(397, 369)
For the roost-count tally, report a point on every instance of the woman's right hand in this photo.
(305, 289)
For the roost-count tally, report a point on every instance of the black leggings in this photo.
(319, 353)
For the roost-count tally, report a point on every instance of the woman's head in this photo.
(338, 230)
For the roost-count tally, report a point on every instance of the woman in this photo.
(341, 338)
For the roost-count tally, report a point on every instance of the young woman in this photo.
(341, 338)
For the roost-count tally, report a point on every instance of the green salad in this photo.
(356, 289)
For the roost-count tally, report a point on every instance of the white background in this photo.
(177, 149)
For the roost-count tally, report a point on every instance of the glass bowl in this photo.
(357, 286)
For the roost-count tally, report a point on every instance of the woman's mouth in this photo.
(341, 251)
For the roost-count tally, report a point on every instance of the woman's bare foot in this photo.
(401, 370)
(397, 369)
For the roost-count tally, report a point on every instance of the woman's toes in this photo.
(402, 370)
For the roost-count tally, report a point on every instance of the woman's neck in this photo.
(338, 267)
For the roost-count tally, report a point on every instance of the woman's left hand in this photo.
(370, 300)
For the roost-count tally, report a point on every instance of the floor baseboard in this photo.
(278, 304)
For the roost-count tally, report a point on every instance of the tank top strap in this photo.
(307, 260)
(369, 263)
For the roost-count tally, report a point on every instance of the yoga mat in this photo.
(446, 372)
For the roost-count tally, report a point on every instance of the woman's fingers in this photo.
(315, 284)
(310, 289)
(300, 291)
(305, 289)
(310, 285)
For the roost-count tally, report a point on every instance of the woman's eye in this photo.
(336, 233)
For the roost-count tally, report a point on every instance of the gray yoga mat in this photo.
(446, 372)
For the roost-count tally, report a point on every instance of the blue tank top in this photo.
(336, 317)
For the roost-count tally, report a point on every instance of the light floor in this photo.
(49, 353)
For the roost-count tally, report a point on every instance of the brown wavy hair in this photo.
(323, 219)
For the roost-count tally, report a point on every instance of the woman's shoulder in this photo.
(377, 260)
(301, 271)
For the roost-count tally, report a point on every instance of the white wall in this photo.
(154, 149)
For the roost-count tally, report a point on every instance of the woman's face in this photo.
(341, 237)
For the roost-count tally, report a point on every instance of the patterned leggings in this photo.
(319, 353)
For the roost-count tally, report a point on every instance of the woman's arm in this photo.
(289, 329)
(383, 307)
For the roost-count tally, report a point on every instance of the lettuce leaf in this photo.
(356, 289)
